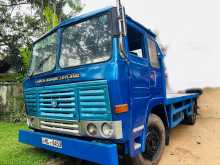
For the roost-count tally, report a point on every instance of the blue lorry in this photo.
(96, 90)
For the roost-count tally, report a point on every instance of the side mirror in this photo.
(122, 26)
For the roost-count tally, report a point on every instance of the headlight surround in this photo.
(102, 129)
(91, 129)
(107, 130)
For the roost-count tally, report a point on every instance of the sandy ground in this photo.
(198, 144)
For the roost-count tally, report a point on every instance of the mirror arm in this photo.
(124, 22)
(122, 28)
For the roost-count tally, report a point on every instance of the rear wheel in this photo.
(194, 90)
(155, 143)
(191, 120)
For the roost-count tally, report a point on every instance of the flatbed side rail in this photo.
(105, 154)
(176, 114)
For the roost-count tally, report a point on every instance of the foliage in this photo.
(22, 21)
(16, 109)
(58, 7)
(14, 33)
(13, 109)
(11, 77)
(25, 56)
(51, 18)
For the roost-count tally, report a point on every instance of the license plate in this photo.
(52, 142)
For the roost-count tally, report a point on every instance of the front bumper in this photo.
(97, 152)
(75, 128)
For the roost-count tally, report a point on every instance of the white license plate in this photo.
(52, 142)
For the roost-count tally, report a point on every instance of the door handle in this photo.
(153, 79)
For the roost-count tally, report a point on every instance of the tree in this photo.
(22, 21)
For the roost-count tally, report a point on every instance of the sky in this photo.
(191, 31)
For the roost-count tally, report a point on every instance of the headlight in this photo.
(107, 130)
(92, 129)
(102, 129)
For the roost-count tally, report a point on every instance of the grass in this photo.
(14, 153)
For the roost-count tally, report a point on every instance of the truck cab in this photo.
(95, 80)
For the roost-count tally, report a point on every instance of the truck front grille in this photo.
(72, 101)
(71, 128)
(92, 102)
(30, 98)
(60, 102)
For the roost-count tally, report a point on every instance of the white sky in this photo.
(190, 29)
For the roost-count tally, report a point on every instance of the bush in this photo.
(16, 109)
(11, 77)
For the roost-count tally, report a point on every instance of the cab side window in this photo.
(152, 49)
(135, 42)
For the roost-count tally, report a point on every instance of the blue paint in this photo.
(101, 153)
(100, 87)
(181, 98)
(75, 101)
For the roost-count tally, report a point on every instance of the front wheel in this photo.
(155, 143)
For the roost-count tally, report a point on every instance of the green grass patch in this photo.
(14, 153)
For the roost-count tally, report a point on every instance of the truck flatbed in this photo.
(176, 97)
(178, 106)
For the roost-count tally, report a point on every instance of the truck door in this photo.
(155, 68)
(138, 74)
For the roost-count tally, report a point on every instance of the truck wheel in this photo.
(191, 120)
(167, 136)
(194, 90)
(155, 143)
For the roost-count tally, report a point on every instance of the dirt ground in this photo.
(198, 144)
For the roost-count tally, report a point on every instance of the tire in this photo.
(194, 90)
(191, 120)
(167, 137)
(156, 135)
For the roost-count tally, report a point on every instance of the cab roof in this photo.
(79, 18)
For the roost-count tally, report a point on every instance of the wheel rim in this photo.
(153, 144)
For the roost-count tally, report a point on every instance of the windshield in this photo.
(44, 55)
(87, 42)
(83, 43)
